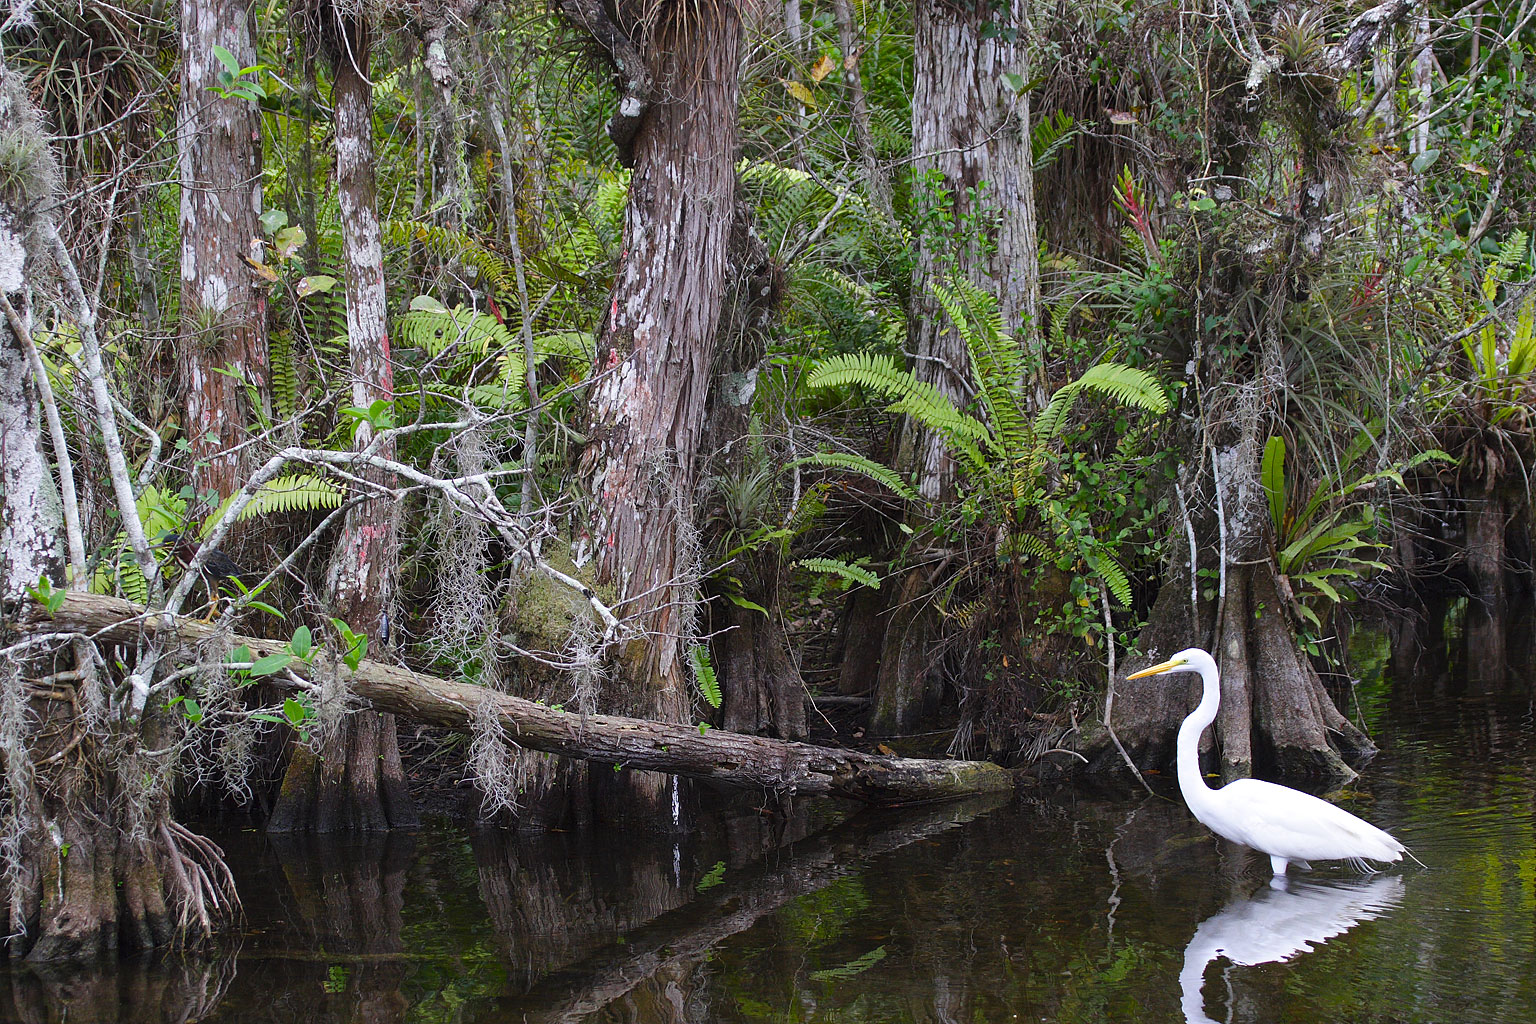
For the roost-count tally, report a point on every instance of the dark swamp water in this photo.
(1059, 905)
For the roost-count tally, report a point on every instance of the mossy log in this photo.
(734, 759)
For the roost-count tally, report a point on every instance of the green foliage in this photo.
(1007, 457)
(236, 82)
(354, 646)
(473, 356)
(291, 492)
(848, 573)
(1501, 384)
(865, 466)
(704, 675)
(1324, 537)
(47, 595)
(163, 512)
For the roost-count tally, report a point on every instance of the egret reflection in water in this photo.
(1277, 923)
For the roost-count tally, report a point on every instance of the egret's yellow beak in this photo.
(1156, 669)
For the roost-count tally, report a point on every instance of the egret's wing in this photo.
(1296, 825)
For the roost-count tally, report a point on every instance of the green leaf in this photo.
(315, 284)
(271, 663)
(288, 241)
(273, 221)
(1425, 160)
(295, 711)
(741, 602)
(714, 877)
(1272, 473)
(302, 644)
(51, 598)
(838, 567)
(227, 59)
(859, 464)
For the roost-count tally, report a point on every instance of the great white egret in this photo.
(1282, 822)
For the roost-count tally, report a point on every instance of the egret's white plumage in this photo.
(1285, 823)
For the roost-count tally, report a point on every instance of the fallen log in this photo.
(734, 759)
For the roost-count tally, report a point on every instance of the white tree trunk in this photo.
(970, 137)
(31, 517)
(223, 302)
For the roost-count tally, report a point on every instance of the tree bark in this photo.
(761, 683)
(750, 762)
(971, 152)
(357, 782)
(223, 303)
(975, 175)
(94, 863)
(656, 348)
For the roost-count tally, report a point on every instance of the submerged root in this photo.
(204, 889)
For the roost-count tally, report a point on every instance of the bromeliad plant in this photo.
(1501, 368)
(1325, 534)
(1011, 460)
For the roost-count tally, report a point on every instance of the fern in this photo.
(704, 675)
(1050, 137)
(997, 361)
(877, 472)
(1126, 385)
(294, 492)
(1111, 573)
(918, 399)
(837, 567)
(285, 385)
(436, 330)
(496, 272)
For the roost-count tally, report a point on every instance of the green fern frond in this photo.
(1025, 546)
(920, 400)
(434, 331)
(1050, 137)
(1513, 253)
(1113, 576)
(496, 272)
(294, 492)
(881, 474)
(118, 575)
(285, 383)
(966, 614)
(1123, 384)
(704, 675)
(837, 567)
(997, 360)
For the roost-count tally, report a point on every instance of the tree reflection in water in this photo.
(161, 989)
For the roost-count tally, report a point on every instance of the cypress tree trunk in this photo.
(223, 303)
(356, 783)
(94, 864)
(761, 684)
(972, 158)
(656, 349)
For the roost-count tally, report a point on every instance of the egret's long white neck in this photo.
(1191, 783)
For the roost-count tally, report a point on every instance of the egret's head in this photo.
(1191, 660)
